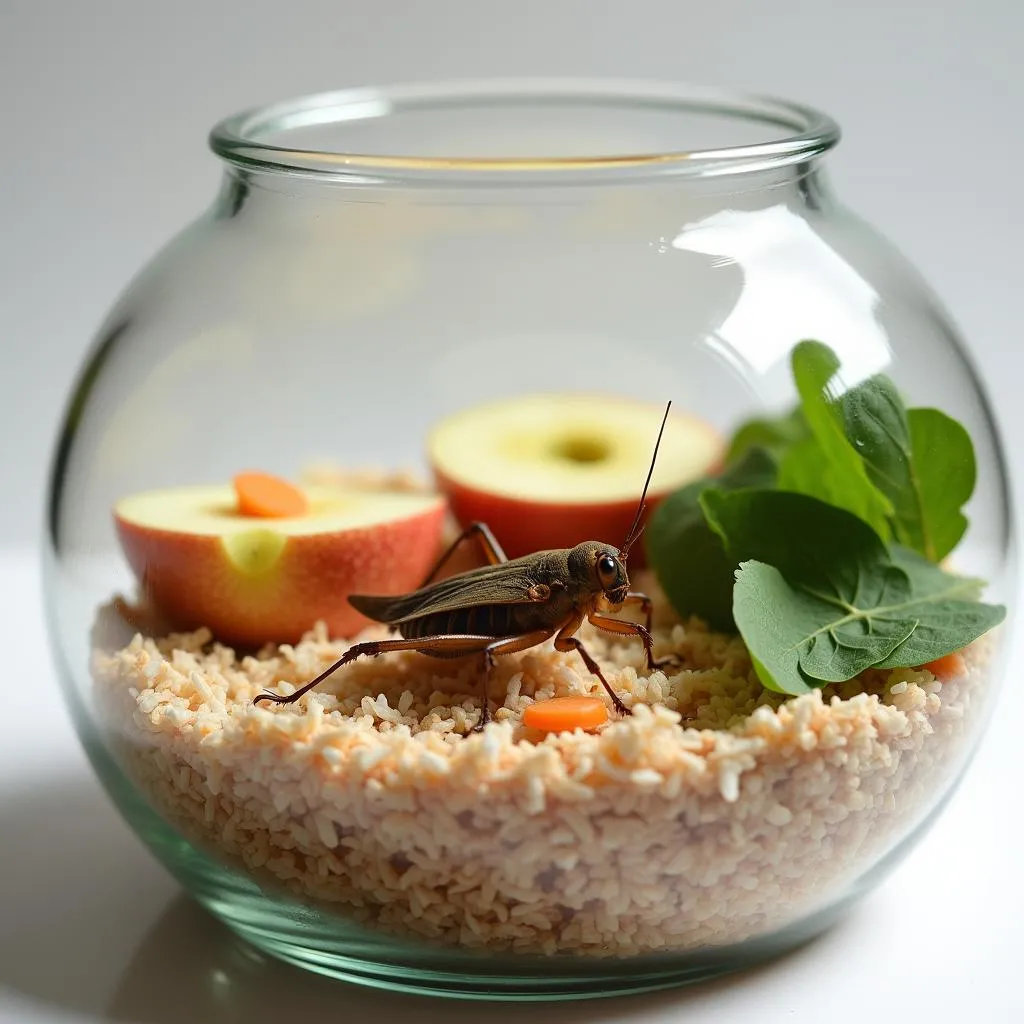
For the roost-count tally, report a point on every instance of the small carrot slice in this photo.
(949, 666)
(562, 714)
(268, 496)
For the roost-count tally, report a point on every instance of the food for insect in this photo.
(563, 714)
(253, 578)
(708, 764)
(551, 470)
(268, 496)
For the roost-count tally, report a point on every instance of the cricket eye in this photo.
(607, 570)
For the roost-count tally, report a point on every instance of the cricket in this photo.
(509, 606)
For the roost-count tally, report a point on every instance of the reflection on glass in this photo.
(780, 303)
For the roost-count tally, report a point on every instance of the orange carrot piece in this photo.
(949, 666)
(267, 496)
(562, 714)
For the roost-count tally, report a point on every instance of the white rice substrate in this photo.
(716, 812)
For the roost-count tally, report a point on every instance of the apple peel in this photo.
(550, 471)
(201, 563)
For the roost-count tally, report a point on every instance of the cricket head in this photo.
(599, 572)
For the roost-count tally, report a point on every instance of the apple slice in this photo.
(253, 580)
(549, 471)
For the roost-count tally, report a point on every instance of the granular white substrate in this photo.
(716, 812)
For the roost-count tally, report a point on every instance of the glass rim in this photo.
(242, 138)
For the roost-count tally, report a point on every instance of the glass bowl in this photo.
(438, 304)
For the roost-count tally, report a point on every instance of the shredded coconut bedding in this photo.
(716, 812)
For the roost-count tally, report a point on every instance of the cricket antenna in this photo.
(636, 529)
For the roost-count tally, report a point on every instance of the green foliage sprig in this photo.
(819, 541)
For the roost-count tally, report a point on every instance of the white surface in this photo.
(92, 926)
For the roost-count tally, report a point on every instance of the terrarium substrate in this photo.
(718, 811)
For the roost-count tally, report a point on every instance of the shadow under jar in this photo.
(375, 261)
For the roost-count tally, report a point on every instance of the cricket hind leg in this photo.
(449, 646)
(444, 646)
(492, 549)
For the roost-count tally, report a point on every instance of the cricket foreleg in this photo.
(646, 606)
(565, 641)
(621, 628)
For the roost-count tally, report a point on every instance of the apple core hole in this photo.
(580, 449)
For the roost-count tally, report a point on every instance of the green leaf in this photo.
(766, 677)
(922, 461)
(945, 625)
(829, 469)
(756, 468)
(773, 434)
(944, 461)
(688, 558)
(807, 469)
(875, 422)
(801, 536)
(928, 578)
(960, 596)
(818, 598)
(800, 642)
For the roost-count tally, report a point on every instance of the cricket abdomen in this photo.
(497, 620)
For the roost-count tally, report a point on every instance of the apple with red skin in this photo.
(550, 471)
(252, 580)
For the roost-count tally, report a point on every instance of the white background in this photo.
(106, 106)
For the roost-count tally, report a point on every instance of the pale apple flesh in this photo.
(550, 471)
(253, 581)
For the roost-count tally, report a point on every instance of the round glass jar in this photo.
(377, 261)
